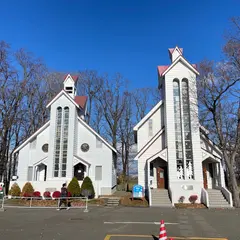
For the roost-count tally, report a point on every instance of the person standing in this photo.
(63, 197)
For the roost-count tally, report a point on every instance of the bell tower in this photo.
(70, 85)
(177, 82)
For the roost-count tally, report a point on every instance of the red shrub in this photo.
(47, 194)
(27, 195)
(69, 194)
(36, 194)
(56, 194)
(193, 198)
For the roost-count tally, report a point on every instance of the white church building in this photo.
(175, 157)
(66, 146)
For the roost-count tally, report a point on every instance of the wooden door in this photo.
(205, 182)
(160, 178)
(79, 171)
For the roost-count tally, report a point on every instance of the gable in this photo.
(32, 137)
(184, 62)
(208, 146)
(62, 93)
(96, 134)
(148, 115)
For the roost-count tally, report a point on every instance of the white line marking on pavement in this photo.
(155, 223)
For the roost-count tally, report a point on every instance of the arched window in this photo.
(65, 141)
(178, 129)
(57, 142)
(187, 129)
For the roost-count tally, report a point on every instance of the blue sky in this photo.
(130, 37)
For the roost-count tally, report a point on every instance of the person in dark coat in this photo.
(63, 197)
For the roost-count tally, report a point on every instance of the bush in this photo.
(27, 196)
(87, 189)
(56, 194)
(15, 190)
(47, 195)
(74, 188)
(36, 194)
(28, 189)
(193, 199)
(181, 199)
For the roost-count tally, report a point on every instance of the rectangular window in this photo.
(98, 173)
(69, 88)
(98, 143)
(30, 173)
(151, 169)
(150, 127)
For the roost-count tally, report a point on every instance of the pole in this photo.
(86, 209)
(3, 197)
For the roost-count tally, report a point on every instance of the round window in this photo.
(85, 147)
(45, 147)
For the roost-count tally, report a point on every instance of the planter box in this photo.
(189, 205)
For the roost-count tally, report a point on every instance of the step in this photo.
(161, 205)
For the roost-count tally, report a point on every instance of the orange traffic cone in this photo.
(163, 232)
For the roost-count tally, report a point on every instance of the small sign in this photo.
(187, 187)
(137, 191)
(50, 189)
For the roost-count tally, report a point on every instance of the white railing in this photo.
(2, 204)
(204, 197)
(227, 194)
(38, 202)
(171, 196)
(149, 195)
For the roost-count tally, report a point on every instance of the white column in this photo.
(148, 174)
(222, 175)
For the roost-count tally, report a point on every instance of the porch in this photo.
(157, 174)
(212, 174)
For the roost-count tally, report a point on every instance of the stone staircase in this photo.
(216, 199)
(160, 198)
(113, 202)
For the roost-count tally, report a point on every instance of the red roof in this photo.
(162, 69)
(195, 66)
(74, 77)
(81, 101)
(172, 49)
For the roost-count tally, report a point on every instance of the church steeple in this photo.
(174, 53)
(70, 85)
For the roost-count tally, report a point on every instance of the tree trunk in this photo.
(234, 188)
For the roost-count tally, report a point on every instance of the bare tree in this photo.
(21, 101)
(220, 109)
(90, 84)
(112, 99)
(126, 137)
(144, 100)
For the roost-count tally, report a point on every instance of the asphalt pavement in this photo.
(121, 223)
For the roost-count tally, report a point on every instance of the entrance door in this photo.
(160, 178)
(205, 182)
(79, 171)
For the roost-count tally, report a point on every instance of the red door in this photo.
(160, 178)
